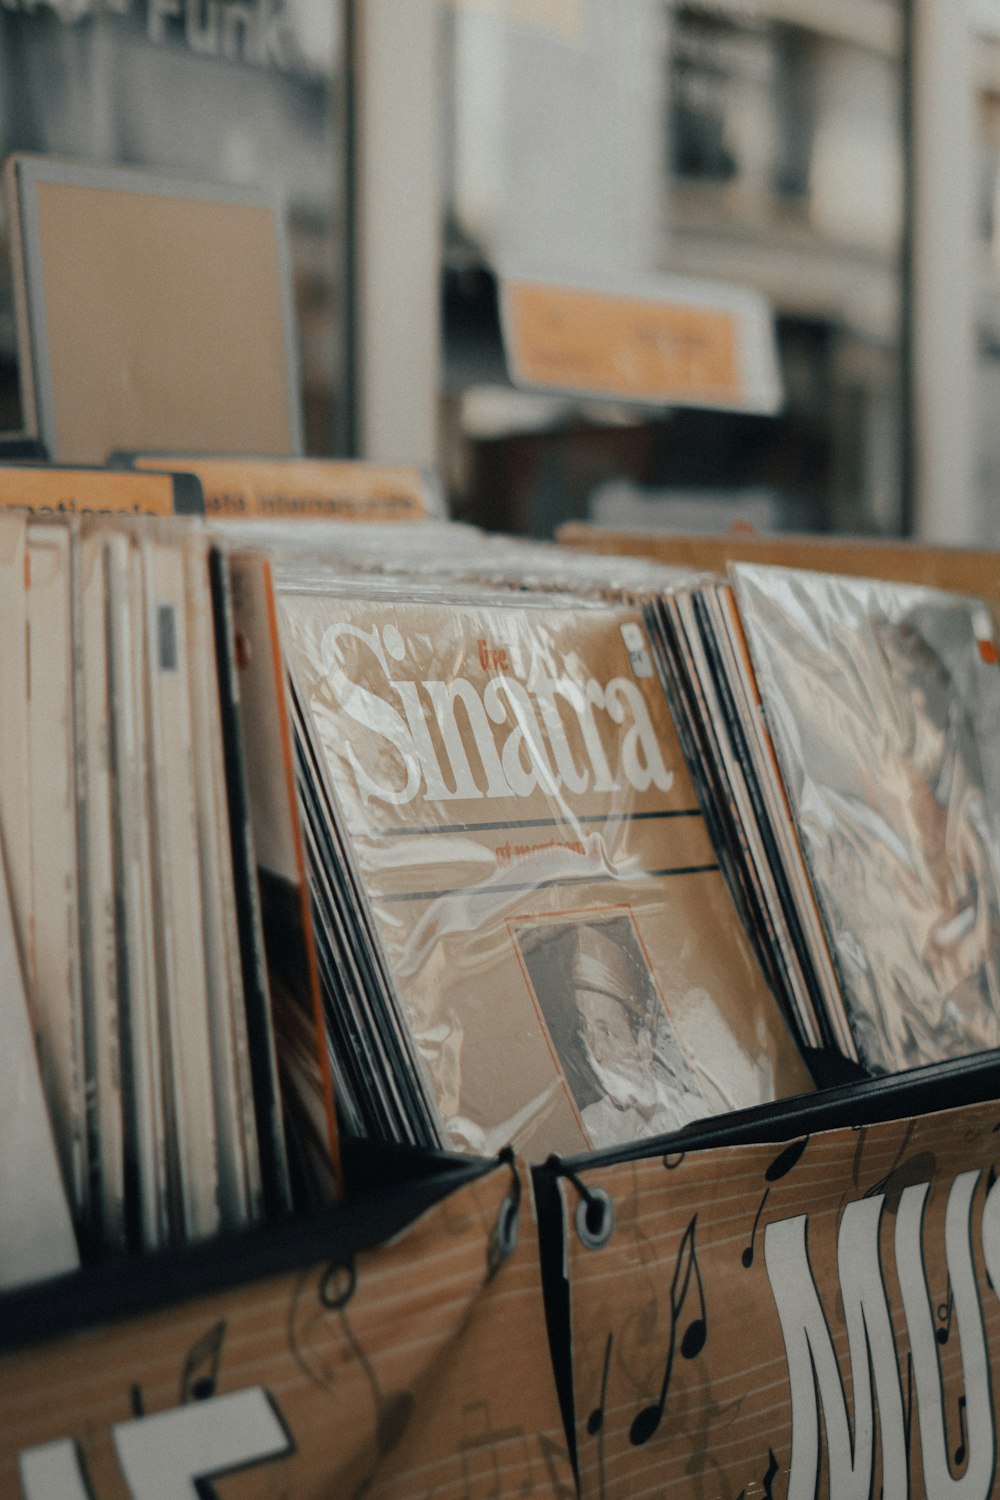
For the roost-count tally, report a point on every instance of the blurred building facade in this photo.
(842, 157)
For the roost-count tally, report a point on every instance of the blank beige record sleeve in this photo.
(151, 313)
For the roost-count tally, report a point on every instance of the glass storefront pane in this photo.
(753, 142)
(233, 92)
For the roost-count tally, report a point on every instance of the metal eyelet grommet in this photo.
(595, 1219)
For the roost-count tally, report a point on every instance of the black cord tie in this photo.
(503, 1240)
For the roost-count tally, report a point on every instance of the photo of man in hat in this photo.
(617, 1049)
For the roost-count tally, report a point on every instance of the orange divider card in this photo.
(311, 488)
(49, 490)
(671, 341)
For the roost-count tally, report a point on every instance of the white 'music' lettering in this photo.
(816, 1380)
(165, 1456)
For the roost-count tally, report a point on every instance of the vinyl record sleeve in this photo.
(56, 998)
(775, 819)
(240, 1189)
(360, 1001)
(567, 957)
(182, 979)
(36, 1231)
(300, 1039)
(883, 701)
(98, 913)
(148, 1206)
(15, 798)
(717, 714)
(272, 1153)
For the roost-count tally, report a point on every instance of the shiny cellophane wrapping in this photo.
(883, 701)
(561, 945)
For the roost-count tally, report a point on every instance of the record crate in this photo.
(395, 1344)
(796, 1300)
(828, 1238)
(786, 1302)
(768, 1304)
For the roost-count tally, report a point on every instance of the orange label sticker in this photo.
(982, 629)
(637, 348)
(305, 488)
(54, 491)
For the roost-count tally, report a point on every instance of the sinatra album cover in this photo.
(560, 940)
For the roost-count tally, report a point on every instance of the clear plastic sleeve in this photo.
(884, 705)
(535, 869)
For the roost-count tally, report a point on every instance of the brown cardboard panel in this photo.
(743, 1290)
(420, 1369)
(961, 569)
(152, 315)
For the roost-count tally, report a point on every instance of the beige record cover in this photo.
(568, 957)
(133, 332)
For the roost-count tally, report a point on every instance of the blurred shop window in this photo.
(986, 148)
(232, 92)
(755, 142)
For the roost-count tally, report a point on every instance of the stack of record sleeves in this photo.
(524, 932)
(152, 904)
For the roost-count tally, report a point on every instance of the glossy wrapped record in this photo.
(883, 701)
(558, 941)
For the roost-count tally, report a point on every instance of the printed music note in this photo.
(877, 1187)
(786, 1160)
(595, 1422)
(338, 1285)
(392, 1412)
(963, 1445)
(558, 1468)
(769, 1477)
(596, 1419)
(692, 1340)
(915, 1169)
(201, 1368)
(480, 1454)
(750, 1251)
(945, 1312)
(856, 1166)
(780, 1167)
